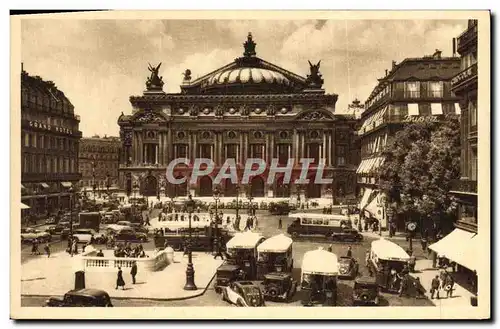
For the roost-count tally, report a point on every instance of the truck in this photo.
(90, 220)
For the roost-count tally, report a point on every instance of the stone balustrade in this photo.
(150, 264)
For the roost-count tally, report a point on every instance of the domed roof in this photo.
(246, 75)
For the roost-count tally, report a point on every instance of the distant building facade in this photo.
(464, 85)
(99, 162)
(50, 139)
(249, 108)
(415, 89)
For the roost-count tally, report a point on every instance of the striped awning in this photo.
(66, 184)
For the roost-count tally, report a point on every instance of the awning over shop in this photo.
(23, 206)
(22, 186)
(457, 246)
(365, 198)
(458, 110)
(66, 184)
(44, 185)
(470, 257)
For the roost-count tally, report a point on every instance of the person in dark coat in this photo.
(349, 251)
(449, 283)
(435, 285)
(119, 279)
(47, 250)
(280, 223)
(133, 272)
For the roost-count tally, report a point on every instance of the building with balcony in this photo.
(49, 145)
(414, 90)
(99, 162)
(249, 108)
(464, 85)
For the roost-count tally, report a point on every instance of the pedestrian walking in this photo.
(119, 279)
(280, 223)
(448, 285)
(47, 250)
(349, 251)
(330, 248)
(133, 271)
(435, 286)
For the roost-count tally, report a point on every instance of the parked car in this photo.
(50, 220)
(30, 234)
(279, 286)
(348, 234)
(129, 234)
(348, 267)
(138, 227)
(366, 292)
(81, 298)
(83, 235)
(226, 274)
(243, 294)
(54, 229)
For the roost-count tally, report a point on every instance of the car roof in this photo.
(87, 292)
(366, 280)
(277, 275)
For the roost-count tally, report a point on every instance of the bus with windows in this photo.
(318, 224)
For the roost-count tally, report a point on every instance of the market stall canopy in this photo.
(277, 243)
(388, 250)
(23, 206)
(321, 262)
(458, 247)
(245, 240)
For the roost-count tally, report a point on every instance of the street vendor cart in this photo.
(320, 269)
(274, 255)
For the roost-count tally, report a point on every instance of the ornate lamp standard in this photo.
(135, 189)
(107, 184)
(217, 251)
(190, 285)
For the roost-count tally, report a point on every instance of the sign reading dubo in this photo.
(40, 125)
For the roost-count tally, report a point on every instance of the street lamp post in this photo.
(135, 188)
(107, 184)
(190, 285)
(71, 213)
(237, 221)
(217, 251)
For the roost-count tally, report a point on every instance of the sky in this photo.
(99, 64)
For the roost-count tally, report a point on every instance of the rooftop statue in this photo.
(154, 82)
(249, 46)
(314, 79)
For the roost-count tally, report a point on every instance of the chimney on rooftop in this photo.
(386, 72)
(393, 64)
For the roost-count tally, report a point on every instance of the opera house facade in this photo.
(249, 108)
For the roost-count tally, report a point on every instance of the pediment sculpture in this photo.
(219, 110)
(194, 111)
(314, 116)
(150, 116)
(271, 110)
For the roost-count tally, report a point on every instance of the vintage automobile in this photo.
(54, 229)
(348, 234)
(81, 298)
(138, 227)
(226, 274)
(30, 234)
(243, 294)
(83, 235)
(279, 286)
(365, 292)
(129, 234)
(274, 255)
(348, 267)
(320, 269)
(50, 220)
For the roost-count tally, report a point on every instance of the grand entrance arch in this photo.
(257, 186)
(281, 190)
(180, 189)
(313, 190)
(205, 186)
(230, 188)
(150, 186)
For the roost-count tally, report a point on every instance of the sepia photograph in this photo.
(250, 165)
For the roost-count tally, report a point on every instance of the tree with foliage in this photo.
(421, 161)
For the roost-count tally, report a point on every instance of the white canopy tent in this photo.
(320, 262)
(244, 240)
(277, 243)
(388, 250)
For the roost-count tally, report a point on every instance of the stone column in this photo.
(134, 148)
(303, 145)
(324, 149)
(330, 162)
(240, 148)
(170, 144)
(141, 147)
(160, 148)
(195, 145)
(295, 144)
(219, 157)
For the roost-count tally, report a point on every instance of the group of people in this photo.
(126, 250)
(36, 251)
(444, 281)
(120, 282)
